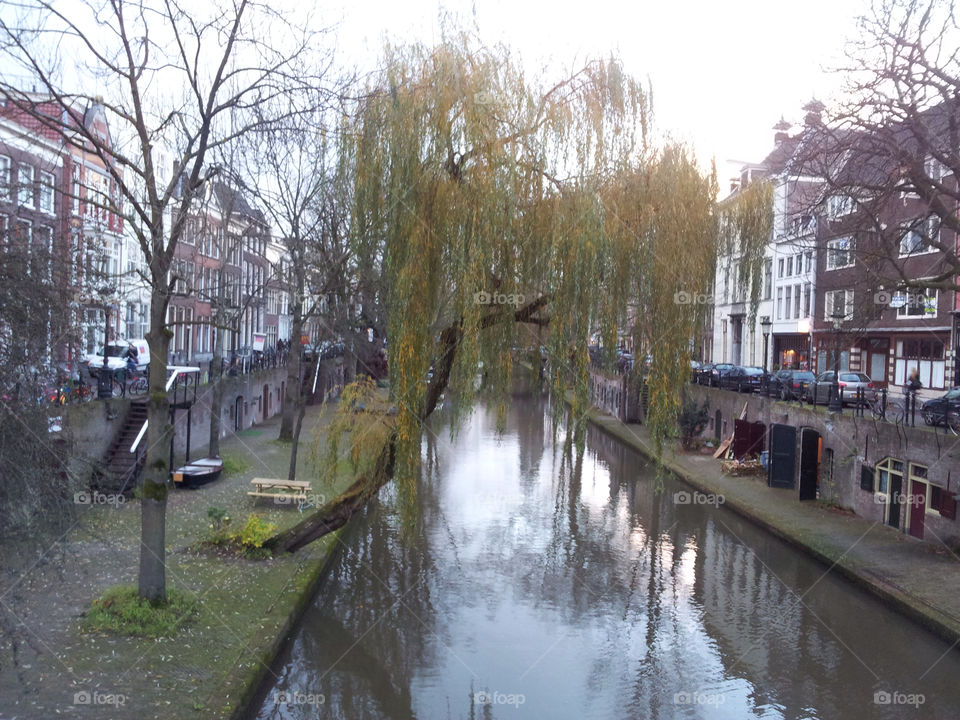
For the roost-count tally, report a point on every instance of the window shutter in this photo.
(948, 506)
(866, 477)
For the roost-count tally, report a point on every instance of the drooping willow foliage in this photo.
(507, 213)
(747, 222)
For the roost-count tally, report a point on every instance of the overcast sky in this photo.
(723, 71)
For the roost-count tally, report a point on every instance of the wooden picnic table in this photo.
(278, 488)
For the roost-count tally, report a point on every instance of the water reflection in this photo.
(540, 583)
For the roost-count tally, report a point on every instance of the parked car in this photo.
(848, 382)
(789, 384)
(712, 373)
(117, 352)
(744, 378)
(935, 411)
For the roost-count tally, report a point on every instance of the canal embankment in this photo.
(245, 608)
(920, 580)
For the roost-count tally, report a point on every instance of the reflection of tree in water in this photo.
(682, 598)
(363, 642)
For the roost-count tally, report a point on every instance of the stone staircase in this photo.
(121, 468)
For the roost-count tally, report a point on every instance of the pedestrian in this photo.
(913, 382)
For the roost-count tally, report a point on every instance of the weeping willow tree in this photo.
(500, 208)
(747, 226)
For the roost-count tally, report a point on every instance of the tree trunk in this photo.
(216, 397)
(338, 511)
(154, 487)
(292, 393)
(292, 472)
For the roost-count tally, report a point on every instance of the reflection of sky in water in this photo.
(590, 596)
(505, 640)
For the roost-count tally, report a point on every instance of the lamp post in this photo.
(956, 347)
(104, 380)
(836, 402)
(765, 324)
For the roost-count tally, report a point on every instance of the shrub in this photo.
(692, 419)
(255, 532)
(218, 518)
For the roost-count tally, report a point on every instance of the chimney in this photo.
(782, 132)
(814, 109)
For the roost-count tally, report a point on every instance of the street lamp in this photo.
(104, 381)
(836, 402)
(765, 327)
(956, 347)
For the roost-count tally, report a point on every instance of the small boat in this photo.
(198, 472)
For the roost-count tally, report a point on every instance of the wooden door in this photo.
(918, 507)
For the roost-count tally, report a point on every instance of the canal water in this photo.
(542, 585)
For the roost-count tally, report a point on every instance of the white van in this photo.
(117, 355)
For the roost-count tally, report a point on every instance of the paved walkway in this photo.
(917, 578)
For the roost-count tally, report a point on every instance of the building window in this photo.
(809, 260)
(767, 278)
(920, 239)
(779, 303)
(131, 320)
(41, 259)
(840, 253)
(806, 300)
(888, 474)
(786, 308)
(839, 205)
(838, 302)
(780, 268)
(76, 190)
(25, 184)
(46, 192)
(4, 177)
(915, 303)
(796, 301)
(926, 356)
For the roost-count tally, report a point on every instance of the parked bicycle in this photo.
(134, 382)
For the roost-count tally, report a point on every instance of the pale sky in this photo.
(722, 71)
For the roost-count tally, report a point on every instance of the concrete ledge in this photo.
(800, 535)
(254, 687)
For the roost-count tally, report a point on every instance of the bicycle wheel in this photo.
(896, 411)
(952, 422)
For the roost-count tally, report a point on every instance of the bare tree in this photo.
(889, 155)
(300, 177)
(166, 74)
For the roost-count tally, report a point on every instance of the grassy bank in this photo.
(244, 608)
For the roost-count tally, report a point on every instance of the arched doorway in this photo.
(238, 414)
(266, 402)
